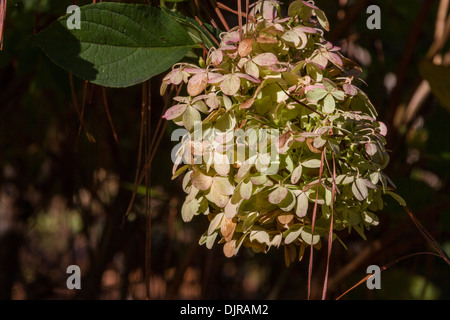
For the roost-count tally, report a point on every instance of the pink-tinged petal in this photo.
(265, 39)
(213, 102)
(265, 59)
(383, 129)
(177, 77)
(278, 69)
(281, 21)
(217, 78)
(305, 30)
(227, 48)
(181, 99)
(175, 111)
(216, 57)
(248, 77)
(251, 69)
(245, 47)
(194, 70)
(350, 89)
(309, 134)
(276, 196)
(247, 104)
(313, 86)
(231, 37)
(201, 181)
(371, 148)
(320, 60)
(283, 142)
(315, 64)
(300, 139)
(230, 85)
(223, 138)
(334, 58)
(197, 84)
(269, 11)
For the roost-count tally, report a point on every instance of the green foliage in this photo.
(118, 45)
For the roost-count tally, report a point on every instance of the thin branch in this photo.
(108, 114)
(148, 198)
(77, 108)
(430, 239)
(2, 20)
(219, 14)
(239, 5)
(384, 268)
(310, 266)
(247, 8)
(236, 12)
(207, 31)
(301, 103)
(330, 234)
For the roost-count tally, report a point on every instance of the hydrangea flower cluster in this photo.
(276, 82)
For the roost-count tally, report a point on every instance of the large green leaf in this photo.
(118, 45)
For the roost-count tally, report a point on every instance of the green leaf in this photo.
(338, 94)
(197, 33)
(312, 163)
(292, 234)
(190, 117)
(361, 102)
(322, 18)
(118, 45)
(288, 203)
(295, 8)
(359, 189)
(316, 94)
(397, 197)
(308, 237)
(329, 105)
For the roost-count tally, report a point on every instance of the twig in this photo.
(330, 234)
(149, 157)
(301, 103)
(239, 5)
(237, 12)
(219, 14)
(2, 20)
(384, 268)
(108, 114)
(206, 29)
(310, 266)
(77, 108)
(433, 243)
(148, 198)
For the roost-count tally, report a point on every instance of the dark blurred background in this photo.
(66, 184)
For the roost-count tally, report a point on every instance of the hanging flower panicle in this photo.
(281, 83)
